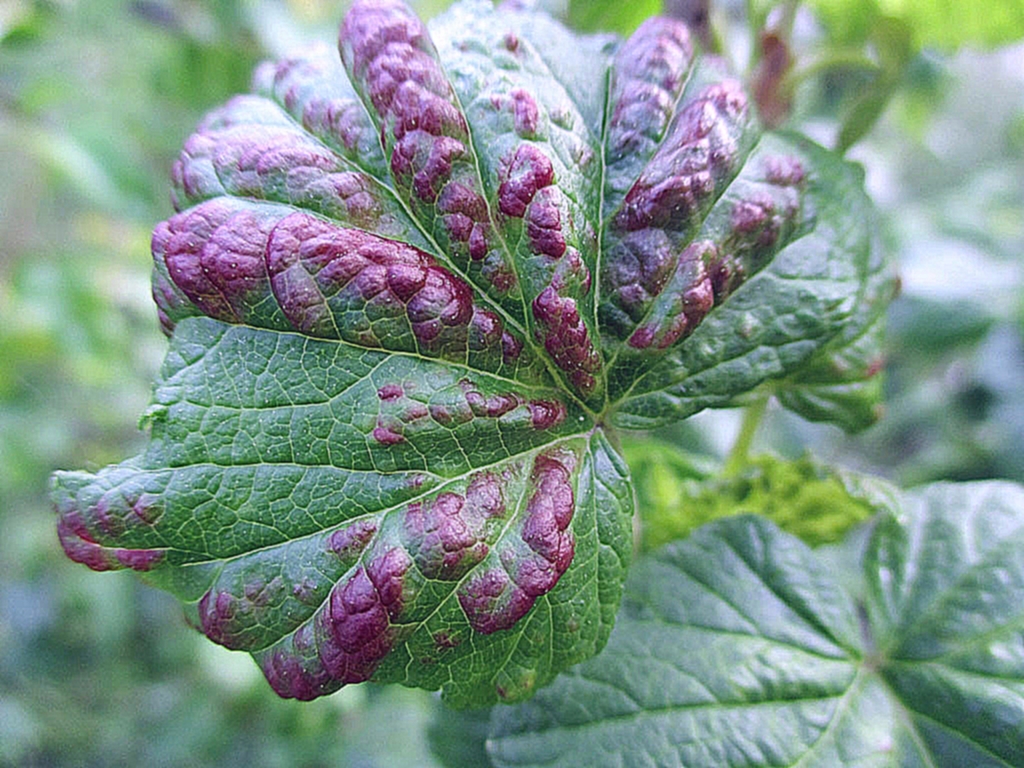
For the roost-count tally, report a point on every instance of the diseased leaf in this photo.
(409, 287)
(789, 255)
(344, 513)
(763, 659)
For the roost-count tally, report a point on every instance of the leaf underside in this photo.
(409, 289)
(763, 659)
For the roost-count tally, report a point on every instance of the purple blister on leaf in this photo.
(499, 594)
(452, 533)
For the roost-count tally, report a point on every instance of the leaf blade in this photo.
(694, 707)
(886, 703)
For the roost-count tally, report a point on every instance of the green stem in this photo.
(740, 453)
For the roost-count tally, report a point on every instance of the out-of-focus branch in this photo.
(774, 101)
(697, 15)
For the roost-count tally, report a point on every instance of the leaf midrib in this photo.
(906, 712)
(541, 353)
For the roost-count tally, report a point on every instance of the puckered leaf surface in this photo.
(410, 285)
(809, 287)
(739, 647)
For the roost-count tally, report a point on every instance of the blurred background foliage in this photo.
(96, 97)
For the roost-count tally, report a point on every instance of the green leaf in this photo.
(892, 39)
(842, 382)
(819, 504)
(406, 290)
(864, 112)
(947, 26)
(457, 739)
(738, 647)
(612, 17)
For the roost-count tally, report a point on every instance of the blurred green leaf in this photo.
(943, 25)
(21, 22)
(891, 38)
(458, 737)
(864, 112)
(847, 21)
(817, 503)
(621, 17)
(948, 25)
(896, 31)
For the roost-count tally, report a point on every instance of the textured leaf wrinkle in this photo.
(423, 127)
(407, 293)
(538, 175)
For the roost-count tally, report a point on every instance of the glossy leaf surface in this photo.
(763, 658)
(409, 286)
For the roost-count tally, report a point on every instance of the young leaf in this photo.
(802, 497)
(947, 26)
(738, 647)
(409, 289)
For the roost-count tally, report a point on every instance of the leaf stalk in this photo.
(739, 455)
